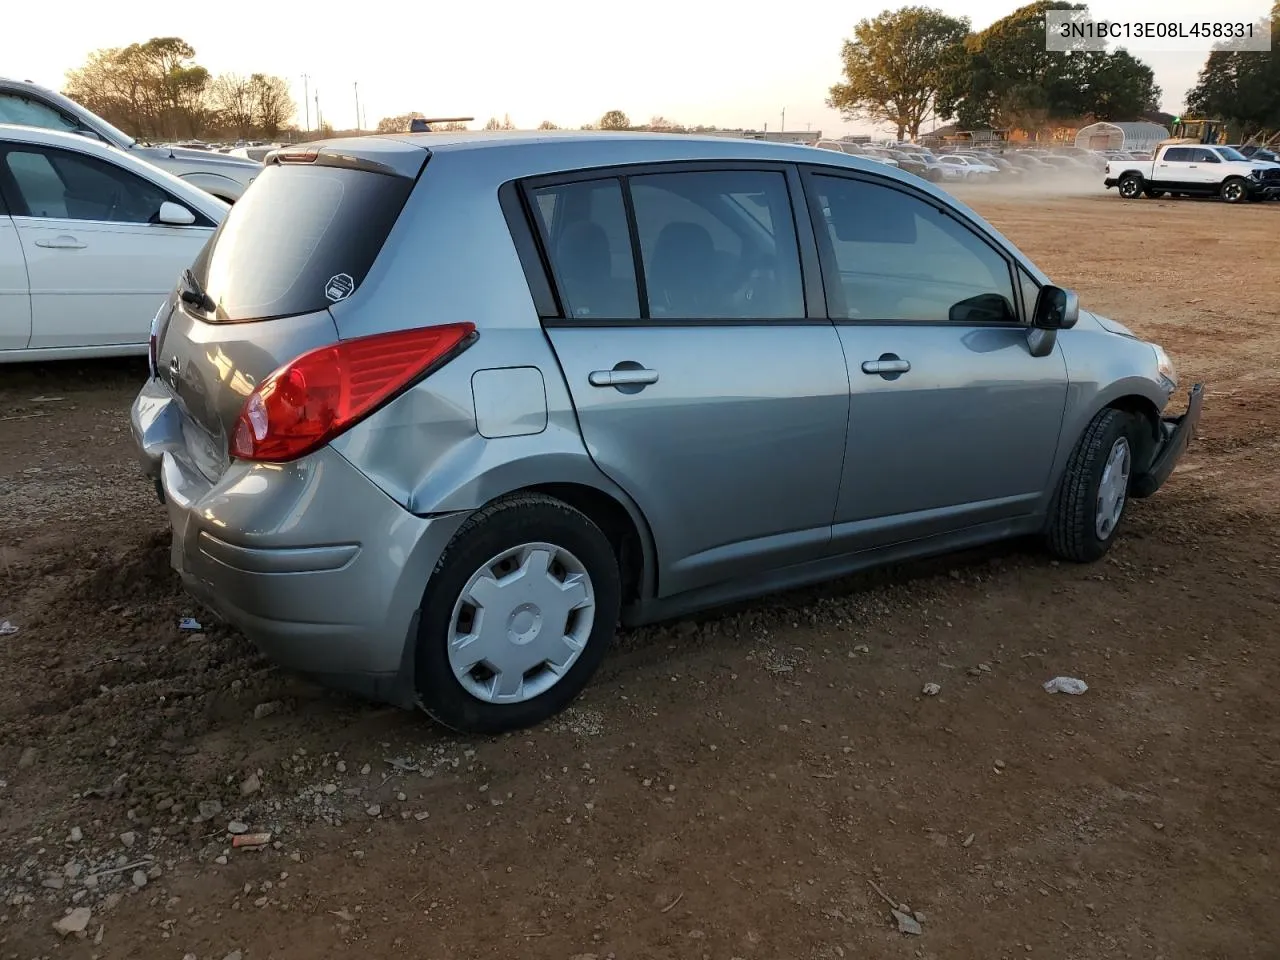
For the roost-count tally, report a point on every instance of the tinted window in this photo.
(900, 258)
(70, 186)
(718, 245)
(302, 238)
(1178, 155)
(584, 227)
(32, 113)
(1206, 156)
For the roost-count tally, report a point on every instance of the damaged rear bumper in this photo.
(1175, 435)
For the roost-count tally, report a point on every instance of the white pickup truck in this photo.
(1195, 170)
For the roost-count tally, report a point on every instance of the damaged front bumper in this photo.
(1175, 435)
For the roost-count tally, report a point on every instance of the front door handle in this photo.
(63, 242)
(887, 365)
(625, 377)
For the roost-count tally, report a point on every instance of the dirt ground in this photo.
(755, 784)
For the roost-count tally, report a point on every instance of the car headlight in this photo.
(1164, 366)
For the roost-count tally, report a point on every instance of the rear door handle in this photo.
(622, 378)
(884, 366)
(63, 242)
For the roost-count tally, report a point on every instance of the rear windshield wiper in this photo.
(194, 294)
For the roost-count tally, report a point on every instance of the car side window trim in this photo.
(815, 306)
(831, 269)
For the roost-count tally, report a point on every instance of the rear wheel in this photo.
(1234, 190)
(1154, 194)
(1094, 492)
(1130, 187)
(517, 616)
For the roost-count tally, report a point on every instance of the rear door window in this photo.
(718, 245)
(584, 228)
(301, 238)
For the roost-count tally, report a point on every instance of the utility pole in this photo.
(306, 100)
(783, 128)
(319, 116)
(356, 86)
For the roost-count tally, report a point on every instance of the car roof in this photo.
(41, 136)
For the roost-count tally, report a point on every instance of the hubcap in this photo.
(1129, 188)
(1233, 191)
(1112, 489)
(520, 622)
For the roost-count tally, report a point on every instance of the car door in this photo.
(704, 385)
(1205, 168)
(1173, 169)
(952, 422)
(15, 293)
(98, 259)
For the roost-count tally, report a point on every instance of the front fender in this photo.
(1105, 369)
(218, 185)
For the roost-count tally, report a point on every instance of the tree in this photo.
(506, 122)
(614, 120)
(273, 105)
(1241, 87)
(231, 97)
(155, 90)
(493, 123)
(1005, 78)
(660, 124)
(547, 125)
(151, 89)
(397, 124)
(892, 68)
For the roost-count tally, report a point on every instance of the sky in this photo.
(568, 61)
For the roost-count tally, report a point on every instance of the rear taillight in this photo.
(311, 400)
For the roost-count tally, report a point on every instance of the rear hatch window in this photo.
(301, 238)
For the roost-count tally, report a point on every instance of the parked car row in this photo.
(977, 163)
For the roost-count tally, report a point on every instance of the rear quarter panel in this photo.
(450, 259)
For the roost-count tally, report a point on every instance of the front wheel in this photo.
(1234, 190)
(1154, 194)
(517, 616)
(1091, 500)
(1131, 187)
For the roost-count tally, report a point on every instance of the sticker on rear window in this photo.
(339, 287)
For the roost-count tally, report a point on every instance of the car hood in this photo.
(1114, 326)
(213, 161)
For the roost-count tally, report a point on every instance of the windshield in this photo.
(89, 119)
(1230, 153)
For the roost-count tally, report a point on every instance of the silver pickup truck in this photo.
(1193, 169)
(32, 105)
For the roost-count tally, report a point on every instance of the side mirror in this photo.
(176, 214)
(1056, 309)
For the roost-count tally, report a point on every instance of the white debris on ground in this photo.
(931, 690)
(1066, 685)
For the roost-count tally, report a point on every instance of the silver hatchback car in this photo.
(431, 415)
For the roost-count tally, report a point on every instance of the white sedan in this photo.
(970, 167)
(91, 242)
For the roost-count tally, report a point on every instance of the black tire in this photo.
(502, 525)
(1130, 187)
(1071, 532)
(1154, 194)
(1234, 190)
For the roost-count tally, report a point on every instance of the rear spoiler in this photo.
(375, 155)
